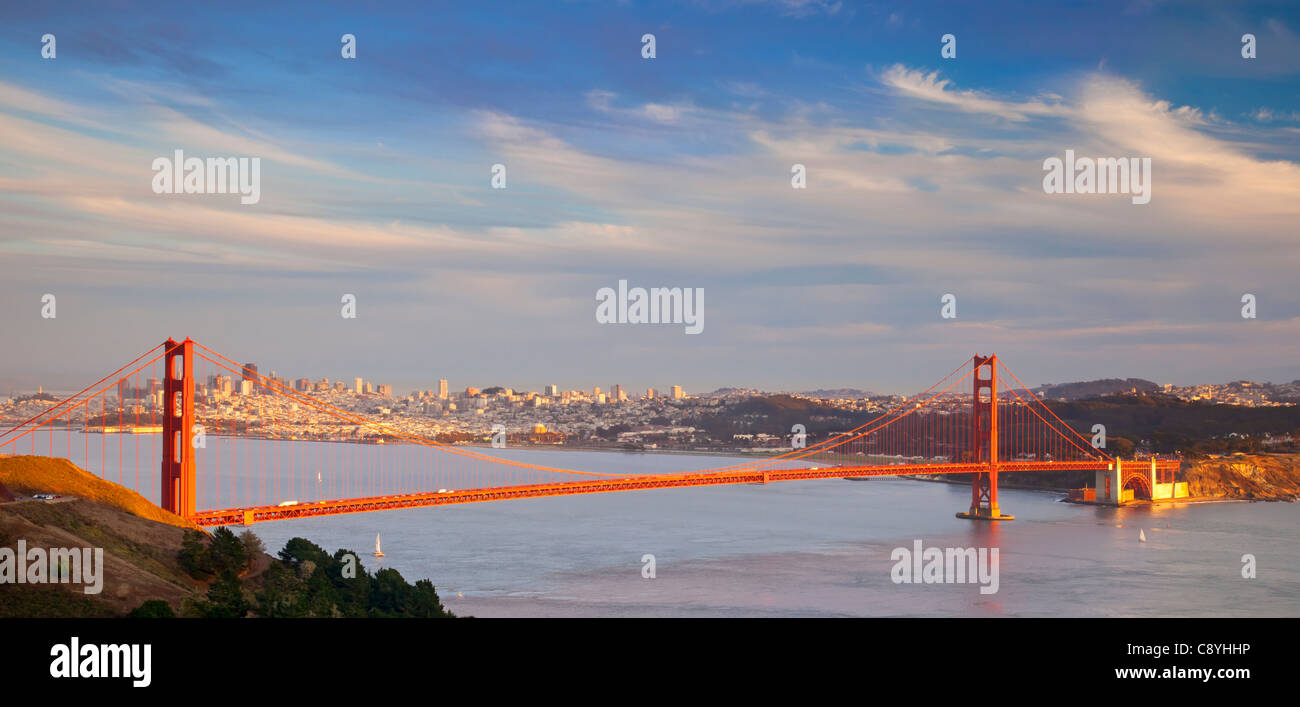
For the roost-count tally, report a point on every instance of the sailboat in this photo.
(1142, 536)
(378, 552)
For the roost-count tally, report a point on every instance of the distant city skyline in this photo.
(400, 390)
(924, 178)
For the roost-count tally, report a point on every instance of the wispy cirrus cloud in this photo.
(928, 87)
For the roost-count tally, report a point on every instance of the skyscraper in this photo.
(360, 386)
(249, 373)
(552, 390)
(677, 392)
(442, 389)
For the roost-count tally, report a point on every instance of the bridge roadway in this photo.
(253, 514)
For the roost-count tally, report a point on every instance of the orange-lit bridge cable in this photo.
(881, 421)
(854, 434)
(1052, 427)
(1054, 415)
(88, 399)
(905, 408)
(74, 396)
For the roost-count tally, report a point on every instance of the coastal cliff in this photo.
(1263, 477)
(1257, 477)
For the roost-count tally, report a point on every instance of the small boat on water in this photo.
(1142, 535)
(378, 552)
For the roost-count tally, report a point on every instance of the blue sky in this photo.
(924, 178)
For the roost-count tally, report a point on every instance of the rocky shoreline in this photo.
(1243, 477)
(1256, 477)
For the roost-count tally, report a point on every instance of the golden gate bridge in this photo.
(217, 471)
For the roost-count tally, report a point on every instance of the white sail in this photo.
(377, 542)
(1142, 535)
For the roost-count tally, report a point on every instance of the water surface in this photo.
(805, 548)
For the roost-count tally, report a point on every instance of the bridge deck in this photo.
(237, 516)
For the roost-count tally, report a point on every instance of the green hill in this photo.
(156, 564)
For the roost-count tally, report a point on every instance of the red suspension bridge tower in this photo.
(984, 441)
(178, 424)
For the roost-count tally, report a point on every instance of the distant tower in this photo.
(442, 389)
(677, 392)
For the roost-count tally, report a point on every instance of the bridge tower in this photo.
(984, 441)
(178, 424)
